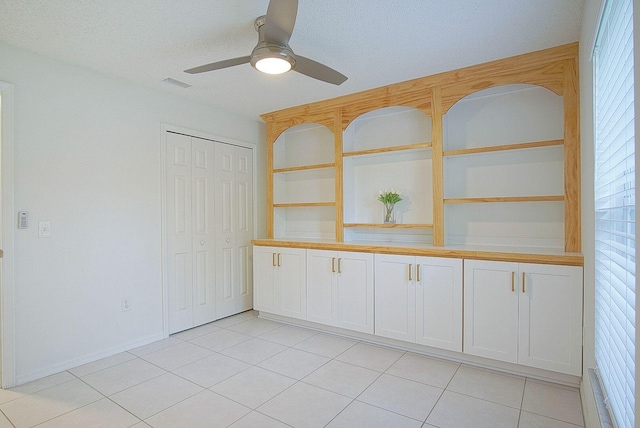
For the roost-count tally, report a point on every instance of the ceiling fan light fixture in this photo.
(273, 65)
(272, 59)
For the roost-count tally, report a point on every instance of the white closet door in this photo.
(244, 233)
(179, 240)
(203, 231)
(234, 228)
(190, 231)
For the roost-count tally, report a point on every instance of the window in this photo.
(615, 259)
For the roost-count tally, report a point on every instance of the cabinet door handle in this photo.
(410, 268)
(273, 259)
(333, 264)
(339, 267)
(418, 273)
(279, 259)
(513, 282)
(523, 290)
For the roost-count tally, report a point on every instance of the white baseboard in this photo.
(69, 364)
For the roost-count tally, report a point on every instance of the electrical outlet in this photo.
(126, 304)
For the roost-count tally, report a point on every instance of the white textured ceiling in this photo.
(372, 42)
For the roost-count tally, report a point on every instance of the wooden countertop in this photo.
(507, 254)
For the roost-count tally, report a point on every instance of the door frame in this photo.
(7, 216)
(164, 128)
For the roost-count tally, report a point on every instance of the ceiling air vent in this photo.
(175, 82)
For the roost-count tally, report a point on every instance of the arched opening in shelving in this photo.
(304, 145)
(504, 168)
(383, 149)
(304, 183)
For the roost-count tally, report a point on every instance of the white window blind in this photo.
(615, 235)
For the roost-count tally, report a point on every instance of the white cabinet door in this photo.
(292, 281)
(419, 300)
(321, 287)
(550, 317)
(395, 297)
(529, 314)
(265, 290)
(340, 289)
(491, 310)
(439, 302)
(280, 281)
(354, 299)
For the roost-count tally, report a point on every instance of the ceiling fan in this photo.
(272, 54)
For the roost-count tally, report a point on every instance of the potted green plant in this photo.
(389, 198)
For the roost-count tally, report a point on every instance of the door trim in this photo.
(164, 128)
(7, 320)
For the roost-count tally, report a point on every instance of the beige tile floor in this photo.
(245, 371)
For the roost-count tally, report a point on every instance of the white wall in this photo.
(87, 159)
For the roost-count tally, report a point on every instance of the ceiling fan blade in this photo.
(279, 21)
(218, 65)
(318, 71)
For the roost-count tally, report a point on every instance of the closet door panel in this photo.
(234, 224)
(244, 227)
(179, 249)
(227, 292)
(203, 231)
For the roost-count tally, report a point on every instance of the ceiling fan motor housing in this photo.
(265, 49)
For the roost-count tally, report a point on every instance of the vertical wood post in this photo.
(337, 131)
(572, 204)
(270, 212)
(437, 166)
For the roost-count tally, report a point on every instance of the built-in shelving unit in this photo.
(483, 156)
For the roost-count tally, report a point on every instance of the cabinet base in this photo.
(514, 369)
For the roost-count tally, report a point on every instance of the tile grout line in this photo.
(441, 394)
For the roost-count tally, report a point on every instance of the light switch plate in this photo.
(44, 229)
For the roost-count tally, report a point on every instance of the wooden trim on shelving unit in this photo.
(388, 149)
(541, 68)
(415, 93)
(556, 198)
(301, 117)
(304, 167)
(339, 163)
(565, 259)
(547, 75)
(387, 226)
(437, 167)
(305, 204)
(572, 213)
(519, 146)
